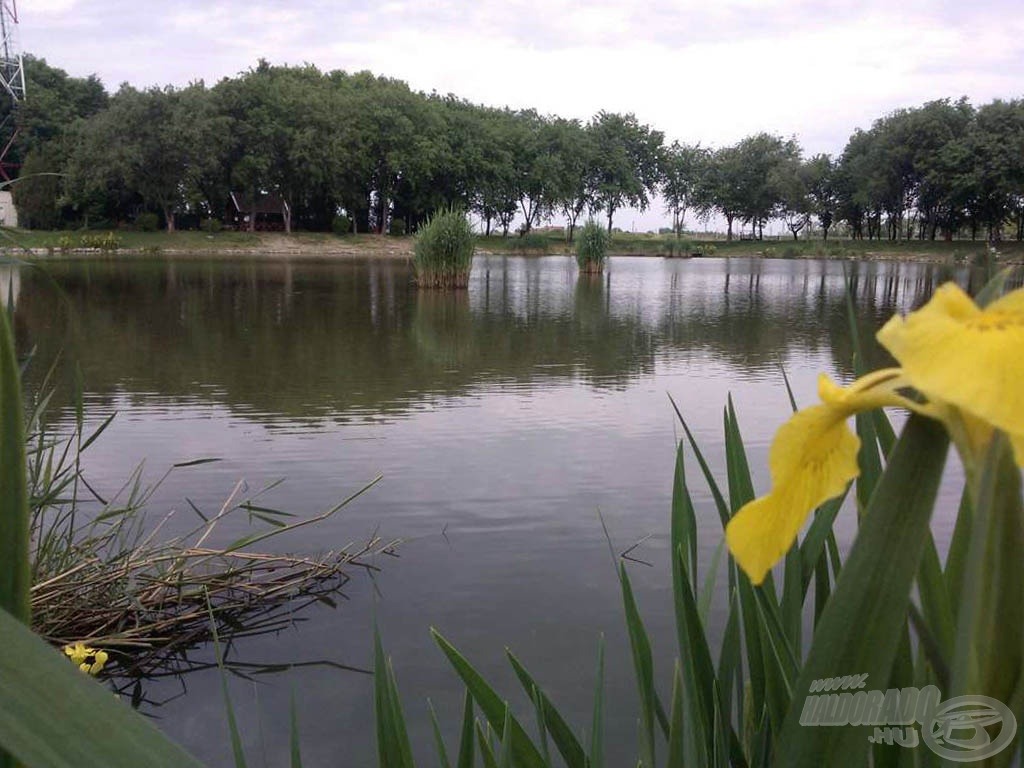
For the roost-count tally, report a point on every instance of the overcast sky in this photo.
(709, 71)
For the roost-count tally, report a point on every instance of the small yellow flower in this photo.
(965, 360)
(89, 660)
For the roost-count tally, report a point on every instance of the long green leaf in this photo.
(466, 739)
(566, 742)
(643, 670)
(861, 628)
(54, 716)
(15, 573)
(524, 753)
(597, 721)
(15, 565)
(989, 658)
(393, 747)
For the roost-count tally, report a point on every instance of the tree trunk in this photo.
(287, 219)
(610, 212)
(487, 227)
(728, 234)
(825, 232)
(169, 217)
(252, 211)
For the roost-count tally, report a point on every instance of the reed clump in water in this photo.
(443, 255)
(104, 574)
(592, 247)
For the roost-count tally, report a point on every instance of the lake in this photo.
(507, 421)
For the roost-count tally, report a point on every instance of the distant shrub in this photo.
(592, 247)
(341, 225)
(210, 226)
(147, 221)
(676, 247)
(531, 242)
(397, 228)
(706, 249)
(105, 242)
(443, 255)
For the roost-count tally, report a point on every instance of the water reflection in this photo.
(355, 338)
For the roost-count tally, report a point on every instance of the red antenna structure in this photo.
(12, 78)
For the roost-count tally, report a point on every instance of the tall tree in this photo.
(627, 158)
(682, 168)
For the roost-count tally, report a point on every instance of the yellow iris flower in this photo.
(967, 362)
(89, 660)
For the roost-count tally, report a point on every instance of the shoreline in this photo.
(44, 246)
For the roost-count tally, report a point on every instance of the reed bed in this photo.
(443, 253)
(592, 247)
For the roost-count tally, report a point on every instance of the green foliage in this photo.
(341, 225)
(531, 242)
(37, 191)
(210, 226)
(147, 222)
(397, 228)
(677, 247)
(107, 241)
(443, 255)
(328, 140)
(592, 247)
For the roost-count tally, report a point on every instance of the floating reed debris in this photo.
(103, 576)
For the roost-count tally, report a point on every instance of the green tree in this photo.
(572, 155)
(627, 159)
(682, 170)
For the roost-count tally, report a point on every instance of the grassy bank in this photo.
(328, 245)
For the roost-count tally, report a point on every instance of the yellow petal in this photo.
(956, 353)
(813, 457)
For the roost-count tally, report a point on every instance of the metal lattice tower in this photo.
(12, 69)
(12, 80)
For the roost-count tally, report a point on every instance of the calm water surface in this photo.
(504, 419)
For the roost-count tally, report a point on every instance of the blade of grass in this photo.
(442, 753)
(15, 564)
(295, 748)
(493, 708)
(466, 739)
(393, 748)
(237, 751)
(553, 722)
(597, 721)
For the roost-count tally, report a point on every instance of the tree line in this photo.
(369, 146)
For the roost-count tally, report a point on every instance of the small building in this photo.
(271, 212)
(8, 213)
